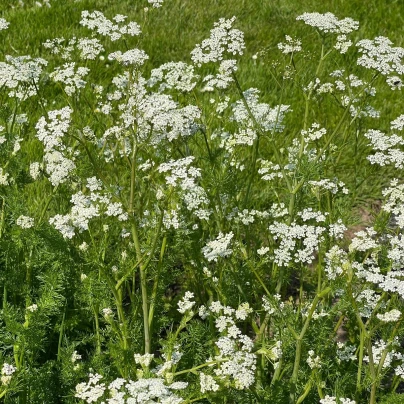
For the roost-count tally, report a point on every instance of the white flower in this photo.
(6, 373)
(7, 369)
(313, 133)
(398, 123)
(107, 312)
(291, 46)
(346, 352)
(75, 357)
(313, 362)
(71, 78)
(91, 391)
(3, 177)
(328, 400)
(390, 316)
(186, 304)
(3, 24)
(156, 3)
(262, 250)
(394, 82)
(93, 184)
(223, 39)
(179, 76)
(144, 360)
(342, 44)
(135, 57)
(114, 30)
(32, 308)
(207, 383)
(218, 248)
(89, 48)
(363, 240)
(379, 55)
(25, 222)
(328, 22)
(34, 170)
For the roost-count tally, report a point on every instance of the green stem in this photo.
(155, 286)
(299, 343)
(97, 331)
(306, 392)
(45, 208)
(61, 336)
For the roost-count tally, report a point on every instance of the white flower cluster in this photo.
(84, 209)
(223, 78)
(273, 305)
(345, 352)
(183, 176)
(207, 383)
(333, 400)
(236, 362)
(223, 39)
(89, 48)
(391, 282)
(3, 24)
(71, 78)
(51, 133)
(133, 57)
(379, 347)
(174, 75)
(312, 361)
(328, 22)
(247, 216)
(121, 391)
(343, 44)
(269, 170)
(90, 392)
(156, 3)
(33, 308)
(334, 186)
(115, 29)
(21, 75)
(378, 54)
(398, 123)
(314, 133)
(4, 177)
(336, 260)
(298, 242)
(75, 357)
(171, 219)
(292, 45)
(7, 372)
(386, 147)
(144, 360)
(220, 247)
(394, 203)
(157, 116)
(364, 240)
(270, 119)
(390, 316)
(25, 222)
(186, 304)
